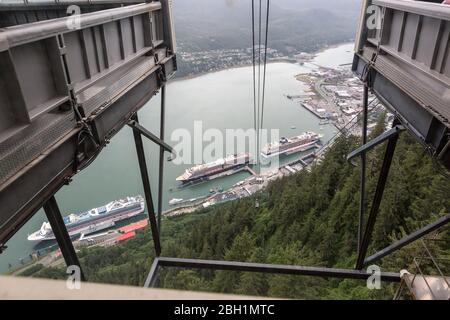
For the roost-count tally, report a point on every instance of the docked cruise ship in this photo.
(215, 169)
(95, 219)
(299, 143)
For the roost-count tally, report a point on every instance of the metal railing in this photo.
(24, 3)
(434, 271)
(434, 262)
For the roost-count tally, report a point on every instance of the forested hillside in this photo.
(307, 219)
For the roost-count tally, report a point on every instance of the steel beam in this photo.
(161, 153)
(274, 268)
(408, 239)
(389, 154)
(362, 190)
(151, 278)
(137, 127)
(146, 184)
(62, 236)
(376, 141)
(27, 33)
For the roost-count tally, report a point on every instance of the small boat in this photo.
(175, 201)
(293, 127)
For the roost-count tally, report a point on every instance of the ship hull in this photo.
(292, 150)
(213, 174)
(90, 227)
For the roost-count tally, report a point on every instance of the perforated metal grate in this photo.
(34, 140)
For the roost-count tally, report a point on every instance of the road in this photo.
(318, 87)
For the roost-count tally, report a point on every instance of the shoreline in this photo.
(333, 46)
(287, 60)
(279, 60)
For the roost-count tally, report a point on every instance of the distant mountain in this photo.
(295, 25)
(341, 6)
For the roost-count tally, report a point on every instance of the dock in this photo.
(251, 171)
(312, 110)
(300, 96)
(302, 160)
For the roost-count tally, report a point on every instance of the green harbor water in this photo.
(221, 100)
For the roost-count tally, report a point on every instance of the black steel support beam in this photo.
(146, 185)
(161, 153)
(362, 190)
(151, 278)
(395, 131)
(62, 236)
(274, 268)
(408, 239)
(388, 155)
(136, 126)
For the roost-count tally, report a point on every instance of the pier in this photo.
(300, 96)
(251, 171)
(302, 160)
(312, 110)
(247, 168)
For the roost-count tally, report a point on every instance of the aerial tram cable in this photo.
(258, 142)
(254, 66)
(265, 65)
(256, 91)
(259, 93)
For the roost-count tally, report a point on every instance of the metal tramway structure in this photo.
(388, 44)
(433, 133)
